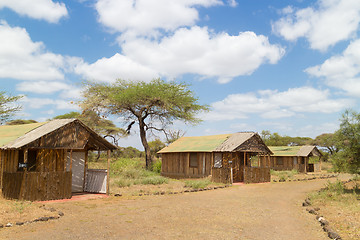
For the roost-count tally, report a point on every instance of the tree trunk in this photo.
(144, 142)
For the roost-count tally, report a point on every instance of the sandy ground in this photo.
(253, 211)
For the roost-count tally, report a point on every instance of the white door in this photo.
(78, 169)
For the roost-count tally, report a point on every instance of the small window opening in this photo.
(193, 160)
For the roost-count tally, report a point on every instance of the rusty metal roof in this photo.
(9, 133)
(17, 136)
(214, 143)
(196, 144)
(299, 151)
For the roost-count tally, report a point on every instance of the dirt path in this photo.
(254, 211)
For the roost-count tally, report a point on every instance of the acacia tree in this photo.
(348, 156)
(7, 106)
(102, 126)
(153, 106)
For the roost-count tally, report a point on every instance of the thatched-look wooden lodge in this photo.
(227, 158)
(45, 161)
(295, 157)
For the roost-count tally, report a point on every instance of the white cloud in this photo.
(274, 104)
(323, 26)
(42, 87)
(117, 66)
(23, 59)
(342, 71)
(188, 51)
(38, 9)
(316, 130)
(37, 103)
(144, 17)
(198, 51)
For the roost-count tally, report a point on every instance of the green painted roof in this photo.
(285, 150)
(196, 144)
(9, 133)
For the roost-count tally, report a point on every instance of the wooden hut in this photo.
(227, 158)
(295, 157)
(44, 161)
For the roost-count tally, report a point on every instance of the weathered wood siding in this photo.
(257, 174)
(49, 160)
(177, 165)
(9, 160)
(289, 163)
(221, 175)
(36, 186)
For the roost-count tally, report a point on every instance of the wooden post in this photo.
(108, 174)
(2, 168)
(306, 163)
(320, 163)
(22, 189)
(71, 151)
(244, 165)
(85, 168)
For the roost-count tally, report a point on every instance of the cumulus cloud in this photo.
(23, 59)
(322, 25)
(39, 9)
(188, 51)
(117, 66)
(38, 103)
(341, 71)
(42, 87)
(273, 104)
(143, 17)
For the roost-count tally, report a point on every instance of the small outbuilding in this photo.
(48, 160)
(296, 157)
(238, 157)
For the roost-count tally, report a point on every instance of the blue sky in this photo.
(290, 67)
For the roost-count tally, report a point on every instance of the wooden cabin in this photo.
(46, 161)
(226, 158)
(295, 157)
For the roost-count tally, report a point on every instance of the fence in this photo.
(257, 174)
(96, 180)
(36, 186)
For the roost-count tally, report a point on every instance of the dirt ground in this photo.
(253, 211)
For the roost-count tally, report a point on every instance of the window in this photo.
(295, 160)
(302, 160)
(31, 161)
(218, 160)
(193, 160)
(279, 161)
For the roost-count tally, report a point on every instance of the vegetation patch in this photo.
(198, 184)
(339, 204)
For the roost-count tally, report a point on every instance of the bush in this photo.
(152, 180)
(156, 167)
(197, 184)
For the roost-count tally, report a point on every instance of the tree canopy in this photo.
(153, 106)
(275, 139)
(348, 156)
(104, 127)
(8, 107)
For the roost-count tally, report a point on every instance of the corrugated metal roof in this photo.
(300, 151)
(36, 132)
(214, 143)
(196, 144)
(9, 133)
(234, 141)
(18, 136)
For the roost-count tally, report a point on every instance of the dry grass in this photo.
(12, 211)
(340, 204)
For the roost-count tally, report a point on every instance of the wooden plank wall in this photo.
(37, 186)
(50, 160)
(177, 165)
(257, 174)
(221, 175)
(288, 163)
(9, 160)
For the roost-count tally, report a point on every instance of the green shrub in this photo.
(197, 184)
(336, 187)
(152, 180)
(156, 167)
